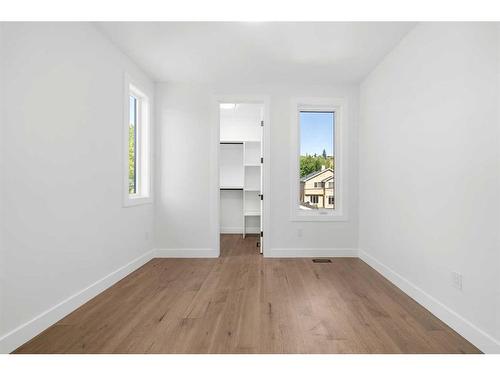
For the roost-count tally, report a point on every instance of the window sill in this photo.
(137, 201)
(298, 216)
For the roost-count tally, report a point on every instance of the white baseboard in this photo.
(311, 252)
(239, 230)
(41, 322)
(185, 253)
(469, 331)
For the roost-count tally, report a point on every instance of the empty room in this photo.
(220, 187)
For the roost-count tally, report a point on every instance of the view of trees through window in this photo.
(317, 160)
(132, 147)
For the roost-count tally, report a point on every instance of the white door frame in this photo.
(214, 170)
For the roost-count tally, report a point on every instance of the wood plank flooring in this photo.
(244, 303)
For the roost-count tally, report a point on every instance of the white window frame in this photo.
(144, 153)
(338, 106)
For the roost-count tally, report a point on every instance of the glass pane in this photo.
(317, 160)
(132, 147)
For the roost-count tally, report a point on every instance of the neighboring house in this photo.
(317, 189)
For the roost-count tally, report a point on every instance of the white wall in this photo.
(182, 206)
(63, 225)
(183, 117)
(429, 173)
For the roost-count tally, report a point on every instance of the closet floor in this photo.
(244, 303)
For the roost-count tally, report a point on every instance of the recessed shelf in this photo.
(252, 154)
(231, 165)
(252, 213)
(252, 178)
(231, 188)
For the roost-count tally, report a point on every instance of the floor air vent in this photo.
(322, 260)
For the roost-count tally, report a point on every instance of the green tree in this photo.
(131, 160)
(330, 162)
(313, 163)
(309, 164)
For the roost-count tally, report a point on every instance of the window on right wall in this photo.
(317, 159)
(316, 167)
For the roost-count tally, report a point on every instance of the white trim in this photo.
(311, 253)
(41, 322)
(214, 166)
(317, 217)
(339, 106)
(186, 253)
(468, 330)
(145, 148)
(214, 197)
(239, 230)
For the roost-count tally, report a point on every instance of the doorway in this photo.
(241, 171)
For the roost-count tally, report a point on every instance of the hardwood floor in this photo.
(243, 303)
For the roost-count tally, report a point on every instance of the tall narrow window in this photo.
(132, 146)
(137, 177)
(316, 162)
(317, 158)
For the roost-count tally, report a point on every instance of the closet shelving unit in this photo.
(240, 170)
(252, 181)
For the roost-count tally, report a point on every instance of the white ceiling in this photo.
(256, 52)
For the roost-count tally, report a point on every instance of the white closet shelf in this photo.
(251, 189)
(237, 141)
(252, 213)
(231, 188)
(252, 165)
